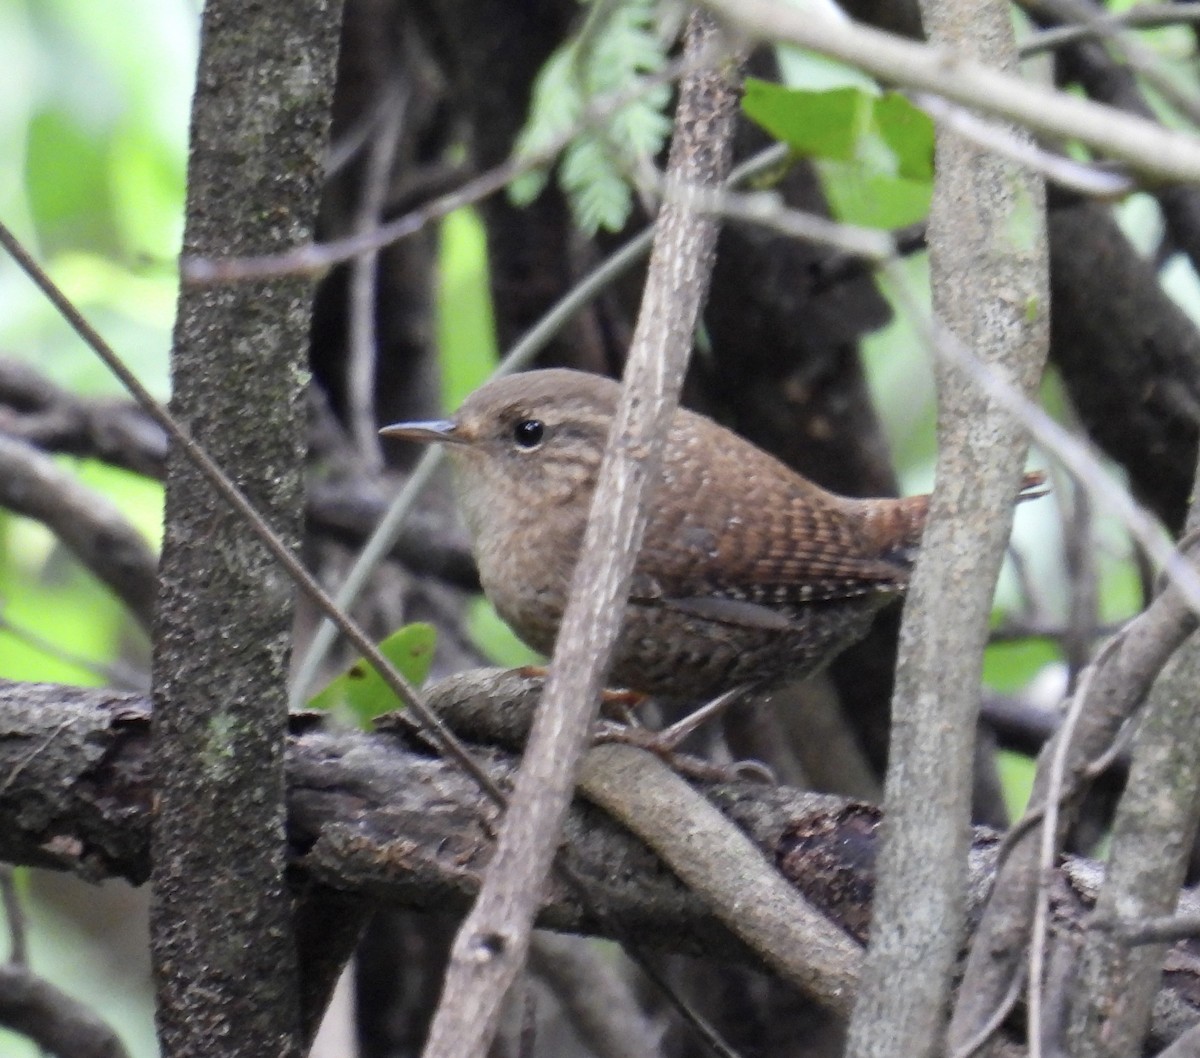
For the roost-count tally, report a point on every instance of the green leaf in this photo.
(497, 641)
(873, 199)
(874, 153)
(908, 131)
(360, 690)
(619, 43)
(814, 124)
(599, 196)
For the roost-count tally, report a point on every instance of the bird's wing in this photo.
(765, 539)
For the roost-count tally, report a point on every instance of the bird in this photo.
(749, 574)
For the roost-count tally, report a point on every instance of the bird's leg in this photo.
(668, 740)
(618, 703)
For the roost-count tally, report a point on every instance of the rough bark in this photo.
(377, 816)
(222, 939)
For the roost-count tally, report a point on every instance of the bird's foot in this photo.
(665, 743)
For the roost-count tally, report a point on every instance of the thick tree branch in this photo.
(221, 921)
(377, 816)
(988, 262)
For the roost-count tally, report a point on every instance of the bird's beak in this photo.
(445, 431)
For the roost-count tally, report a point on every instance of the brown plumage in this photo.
(748, 572)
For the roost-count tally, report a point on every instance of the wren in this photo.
(749, 574)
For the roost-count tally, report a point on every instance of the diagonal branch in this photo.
(490, 948)
(1145, 146)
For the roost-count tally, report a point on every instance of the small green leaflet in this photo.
(874, 152)
(361, 692)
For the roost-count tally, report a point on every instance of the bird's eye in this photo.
(528, 433)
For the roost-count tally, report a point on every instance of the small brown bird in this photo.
(748, 573)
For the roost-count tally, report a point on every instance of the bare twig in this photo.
(1074, 175)
(1144, 16)
(35, 410)
(1136, 55)
(491, 945)
(254, 521)
(98, 534)
(14, 917)
(115, 674)
(1153, 836)
(1079, 552)
(599, 1003)
(1116, 683)
(989, 1028)
(719, 862)
(54, 1020)
(315, 258)
(1164, 928)
(1145, 146)
(364, 275)
(1056, 782)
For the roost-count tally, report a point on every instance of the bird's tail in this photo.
(899, 526)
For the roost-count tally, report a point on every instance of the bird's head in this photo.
(524, 443)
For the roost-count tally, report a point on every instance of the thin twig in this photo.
(1066, 172)
(86, 521)
(254, 521)
(120, 676)
(1049, 846)
(1156, 930)
(491, 945)
(1145, 146)
(1137, 56)
(1144, 16)
(993, 1023)
(315, 258)
(55, 1021)
(14, 916)
(364, 277)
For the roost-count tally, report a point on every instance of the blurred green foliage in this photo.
(93, 121)
(466, 328)
(93, 128)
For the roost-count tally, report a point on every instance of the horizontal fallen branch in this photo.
(379, 815)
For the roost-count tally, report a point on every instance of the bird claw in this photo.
(607, 731)
(665, 744)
